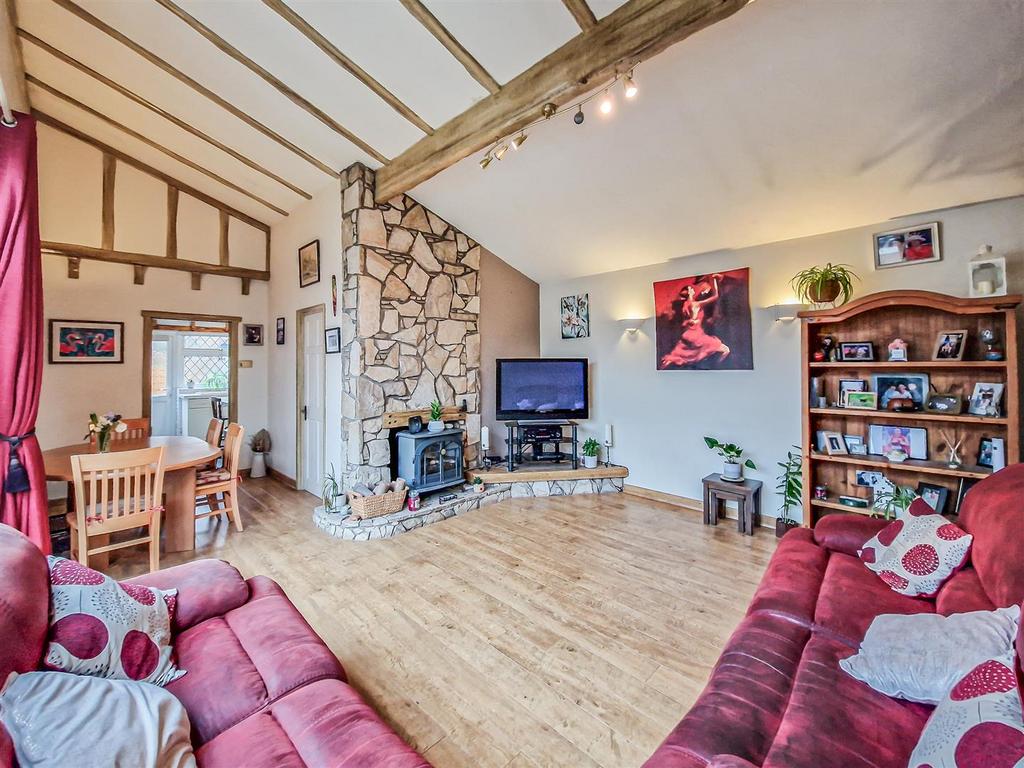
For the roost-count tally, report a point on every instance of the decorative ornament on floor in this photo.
(590, 450)
(436, 411)
(102, 427)
(790, 487)
(260, 446)
(732, 469)
(830, 284)
(500, 146)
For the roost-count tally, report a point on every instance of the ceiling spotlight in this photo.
(629, 86)
(606, 104)
(485, 160)
(548, 110)
(519, 140)
(578, 117)
(500, 151)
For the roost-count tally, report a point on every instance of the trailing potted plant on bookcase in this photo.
(732, 469)
(590, 450)
(790, 488)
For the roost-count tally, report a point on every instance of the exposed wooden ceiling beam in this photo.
(343, 61)
(26, 35)
(12, 68)
(582, 13)
(149, 142)
(156, 61)
(455, 48)
(293, 96)
(170, 181)
(148, 260)
(634, 32)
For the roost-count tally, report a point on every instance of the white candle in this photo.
(607, 434)
(485, 439)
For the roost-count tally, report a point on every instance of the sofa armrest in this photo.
(729, 761)
(846, 533)
(206, 588)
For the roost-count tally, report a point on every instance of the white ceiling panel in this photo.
(506, 36)
(394, 48)
(791, 118)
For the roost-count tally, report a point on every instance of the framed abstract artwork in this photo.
(703, 322)
(575, 316)
(86, 341)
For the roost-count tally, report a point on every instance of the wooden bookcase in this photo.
(917, 317)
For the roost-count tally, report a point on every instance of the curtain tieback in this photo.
(16, 480)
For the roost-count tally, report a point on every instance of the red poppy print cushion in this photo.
(916, 554)
(979, 725)
(103, 628)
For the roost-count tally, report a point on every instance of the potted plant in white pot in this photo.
(732, 469)
(590, 450)
(790, 487)
(436, 411)
(259, 444)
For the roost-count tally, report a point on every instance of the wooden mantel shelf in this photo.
(545, 471)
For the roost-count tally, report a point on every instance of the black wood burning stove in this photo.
(429, 461)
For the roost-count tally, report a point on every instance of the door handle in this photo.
(303, 413)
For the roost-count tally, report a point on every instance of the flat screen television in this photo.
(542, 388)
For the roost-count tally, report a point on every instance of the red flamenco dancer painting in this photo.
(703, 322)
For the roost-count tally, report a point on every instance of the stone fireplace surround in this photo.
(409, 317)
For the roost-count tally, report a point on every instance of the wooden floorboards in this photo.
(534, 633)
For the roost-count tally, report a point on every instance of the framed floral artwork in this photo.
(575, 316)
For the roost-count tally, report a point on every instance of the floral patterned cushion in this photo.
(207, 476)
(916, 554)
(105, 628)
(978, 725)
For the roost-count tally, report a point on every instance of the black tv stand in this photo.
(535, 436)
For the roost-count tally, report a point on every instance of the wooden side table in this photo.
(746, 494)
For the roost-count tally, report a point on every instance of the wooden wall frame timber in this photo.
(151, 319)
(148, 260)
(916, 317)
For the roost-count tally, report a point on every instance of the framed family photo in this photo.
(913, 245)
(86, 341)
(852, 351)
(950, 345)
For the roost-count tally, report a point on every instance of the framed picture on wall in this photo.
(86, 341)
(280, 330)
(332, 341)
(913, 245)
(252, 335)
(309, 264)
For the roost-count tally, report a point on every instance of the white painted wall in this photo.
(70, 175)
(319, 218)
(659, 418)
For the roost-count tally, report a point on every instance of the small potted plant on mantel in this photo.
(436, 412)
(790, 487)
(732, 469)
(824, 285)
(590, 450)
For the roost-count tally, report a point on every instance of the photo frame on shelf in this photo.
(913, 387)
(860, 401)
(987, 398)
(966, 483)
(851, 385)
(834, 444)
(887, 439)
(949, 345)
(992, 453)
(935, 496)
(944, 403)
(911, 245)
(867, 478)
(855, 445)
(856, 351)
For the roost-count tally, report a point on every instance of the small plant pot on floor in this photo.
(783, 526)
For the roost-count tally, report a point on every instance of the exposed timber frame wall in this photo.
(107, 252)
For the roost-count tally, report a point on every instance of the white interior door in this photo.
(311, 405)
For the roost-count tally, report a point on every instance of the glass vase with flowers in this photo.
(102, 427)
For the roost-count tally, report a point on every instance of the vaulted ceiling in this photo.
(789, 118)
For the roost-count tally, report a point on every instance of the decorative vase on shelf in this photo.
(435, 426)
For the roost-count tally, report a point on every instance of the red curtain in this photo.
(22, 478)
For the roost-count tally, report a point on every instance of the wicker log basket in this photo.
(376, 504)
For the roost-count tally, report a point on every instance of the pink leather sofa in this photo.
(261, 690)
(777, 697)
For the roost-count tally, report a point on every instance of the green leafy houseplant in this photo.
(893, 500)
(591, 447)
(790, 487)
(331, 491)
(436, 412)
(825, 285)
(732, 453)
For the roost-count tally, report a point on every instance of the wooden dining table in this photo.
(182, 456)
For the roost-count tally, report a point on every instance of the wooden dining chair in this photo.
(117, 492)
(138, 429)
(223, 482)
(213, 431)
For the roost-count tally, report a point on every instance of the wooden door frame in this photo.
(300, 380)
(150, 316)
